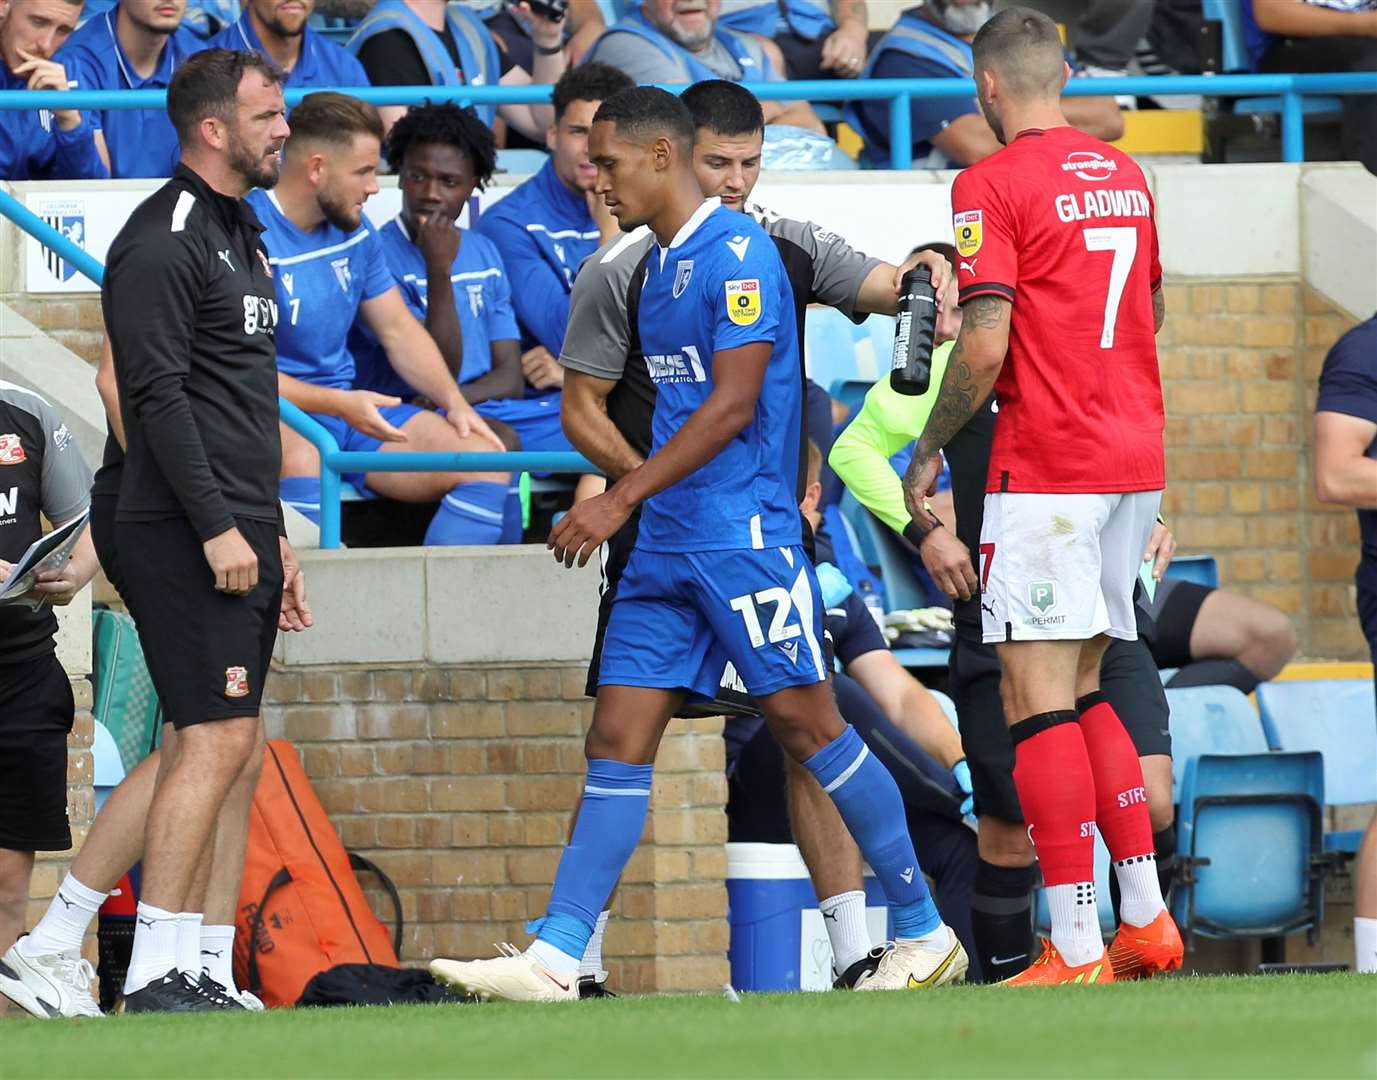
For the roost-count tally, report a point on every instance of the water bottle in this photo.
(912, 364)
(873, 604)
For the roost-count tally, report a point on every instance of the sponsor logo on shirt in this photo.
(683, 270)
(1042, 595)
(236, 682)
(1089, 165)
(738, 246)
(224, 257)
(62, 437)
(475, 299)
(968, 226)
(969, 267)
(12, 450)
(1106, 202)
(343, 274)
(743, 301)
(9, 503)
(684, 367)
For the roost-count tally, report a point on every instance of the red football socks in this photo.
(1056, 789)
(1121, 808)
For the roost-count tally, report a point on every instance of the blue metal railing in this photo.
(898, 92)
(334, 462)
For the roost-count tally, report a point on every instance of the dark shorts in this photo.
(1172, 616)
(36, 712)
(207, 651)
(1128, 678)
(103, 538)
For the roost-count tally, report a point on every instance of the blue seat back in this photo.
(837, 350)
(882, 551)
(1211, 720)
(1256, 819)
(1337, 717)
(1201, 569)
(1230, 18)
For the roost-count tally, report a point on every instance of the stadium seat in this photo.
(108, 766)
(948, 707)
(881, 551)
(836, 350)
(1211, 720)
(1338, 718)
(1249, 845)
(1201, 569)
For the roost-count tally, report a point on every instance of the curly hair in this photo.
(448, 125)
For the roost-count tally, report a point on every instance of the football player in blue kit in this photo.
(718, 572)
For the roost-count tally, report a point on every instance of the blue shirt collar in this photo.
(554, 193)
(305, 70)
(162, 74)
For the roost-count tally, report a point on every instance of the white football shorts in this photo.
(1062, 567)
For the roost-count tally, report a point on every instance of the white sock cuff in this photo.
(148, 911)
(87, 897)
(834, 902)
(1365, 945)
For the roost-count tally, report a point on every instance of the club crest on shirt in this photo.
(236, 682)
(12, 450)
(968, 227)
(682, 272)
(743, 301)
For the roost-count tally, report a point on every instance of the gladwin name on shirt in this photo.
(1111, 203)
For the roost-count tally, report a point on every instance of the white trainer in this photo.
(909, 966)
(49, 986)
(513, 976)
(249, 1001)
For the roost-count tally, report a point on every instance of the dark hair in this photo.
(1024, 46)
(333, 118)
(643, 112)
(207, 84)
(947, 251)
(588, 82)
(445, 124)
(726, 108)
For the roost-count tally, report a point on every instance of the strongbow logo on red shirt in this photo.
(1089, 165)
(12, 450)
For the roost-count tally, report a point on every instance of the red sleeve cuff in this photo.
(987, 288)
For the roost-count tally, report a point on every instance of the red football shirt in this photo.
(1061, 224)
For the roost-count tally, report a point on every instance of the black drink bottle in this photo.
(912, 363)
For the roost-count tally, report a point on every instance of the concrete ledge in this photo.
(1338, 213)
(443, 605)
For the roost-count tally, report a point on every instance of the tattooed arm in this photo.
(1159, 310)
(971, 372)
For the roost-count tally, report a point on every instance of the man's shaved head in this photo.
(1022, 47)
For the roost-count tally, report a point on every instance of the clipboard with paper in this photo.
(49, 552)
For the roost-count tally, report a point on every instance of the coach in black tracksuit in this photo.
(190, 309)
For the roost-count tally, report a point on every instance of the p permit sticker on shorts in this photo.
(967, 225)
(743, 301)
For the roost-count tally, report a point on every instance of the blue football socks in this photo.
(611, 817)
(469, 514)
(869, 802)
(511, 516)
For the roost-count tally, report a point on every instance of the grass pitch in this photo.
(1278, 1026)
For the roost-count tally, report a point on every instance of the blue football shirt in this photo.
(482, 295)
(720, 285)
(322, 277)
(141, 142)
(321, 65)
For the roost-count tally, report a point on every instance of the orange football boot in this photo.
(1050, 969)
(1140, 952)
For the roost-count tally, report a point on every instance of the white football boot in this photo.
(49, 986)
(909, 966)
(513, 976)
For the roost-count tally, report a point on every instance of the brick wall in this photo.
(460, 781)
(81, 808)
(72, 321)
(1240, 362)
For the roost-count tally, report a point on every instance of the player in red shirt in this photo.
(1061, 291)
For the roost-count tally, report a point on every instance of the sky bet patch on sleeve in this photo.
(743, 301)
(968, 231)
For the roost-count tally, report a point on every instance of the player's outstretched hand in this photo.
(295, 613)
(937, 266)
(586, 526)
(360, 412)
(1161, 547)
(541, 368)
(232, 561)
(949, 563)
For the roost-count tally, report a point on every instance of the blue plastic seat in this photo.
(1337, 717)
(1248, 840)
(1211, 720)
(837, 350)
(108, 766)
(1229, 16)
(1201, 569)
(882, 552)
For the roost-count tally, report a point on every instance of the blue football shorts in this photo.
(352, 440)
(679, 618)
(535, 420)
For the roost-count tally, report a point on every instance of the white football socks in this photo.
(1140, 891)
(557, 960)
(1365, 945)
(843, 917)
(66, 921)
(155, 947)
(189, 943)
(1075, 922)
(217, 954)
(591, 964)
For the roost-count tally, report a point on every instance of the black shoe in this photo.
(219, 994)
(861, 970)
(590, 986)
(174, 992)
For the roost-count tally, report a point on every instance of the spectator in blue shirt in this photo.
(547, 226)
(135, 45)
(932, 41)
(42, 144)
(277, 30)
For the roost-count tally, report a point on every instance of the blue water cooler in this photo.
(777, 937)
